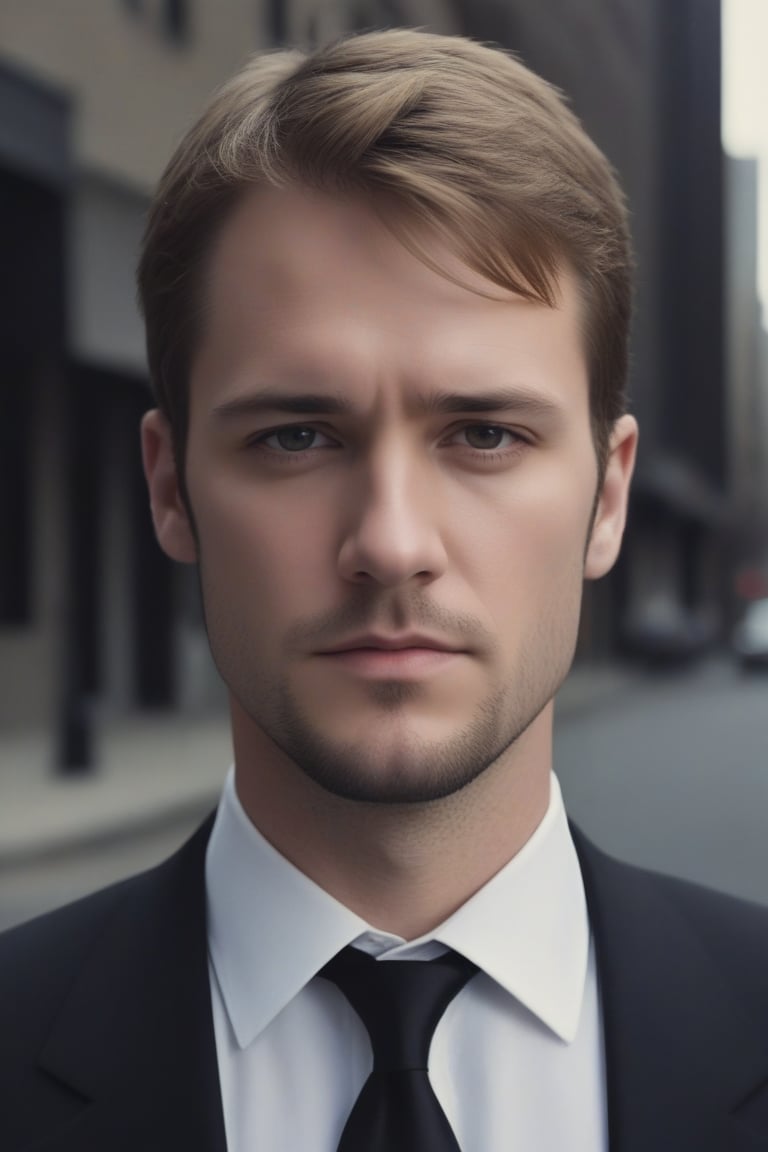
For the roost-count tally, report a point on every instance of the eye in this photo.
(293, 438)
(486, 438)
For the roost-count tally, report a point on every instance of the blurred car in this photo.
(750, 637)
(661, 631)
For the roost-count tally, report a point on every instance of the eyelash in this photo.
(487, 456)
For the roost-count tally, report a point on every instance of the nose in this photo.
(393, 533)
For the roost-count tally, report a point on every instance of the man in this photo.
(386, 290)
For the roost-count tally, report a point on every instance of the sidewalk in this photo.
(150, 771)
(154, 770)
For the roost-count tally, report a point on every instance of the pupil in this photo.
(481, 437)
(293, 439)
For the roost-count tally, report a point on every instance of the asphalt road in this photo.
(670, 772)
(673, 775)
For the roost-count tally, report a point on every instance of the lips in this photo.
(404, 656)
(371, 642)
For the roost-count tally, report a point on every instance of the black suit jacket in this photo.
(107, 1044)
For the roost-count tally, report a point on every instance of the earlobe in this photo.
(169, 515)
(611, 515)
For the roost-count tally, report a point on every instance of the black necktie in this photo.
(400, 1002)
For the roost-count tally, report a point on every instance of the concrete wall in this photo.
(135, 90)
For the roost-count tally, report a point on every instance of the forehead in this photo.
(303, 281)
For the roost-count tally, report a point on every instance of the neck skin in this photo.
(402, 868)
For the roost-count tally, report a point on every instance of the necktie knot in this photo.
(400, 1002)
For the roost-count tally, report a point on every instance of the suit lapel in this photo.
(685, 1066)
(135, 1036)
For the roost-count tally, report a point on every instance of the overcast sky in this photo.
(745, 104)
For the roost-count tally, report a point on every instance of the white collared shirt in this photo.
(517, 1059)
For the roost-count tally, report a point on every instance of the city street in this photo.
(668, 770)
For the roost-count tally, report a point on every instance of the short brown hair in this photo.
(461, 135)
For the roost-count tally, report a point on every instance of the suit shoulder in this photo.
(60, 938)
(712, 912)
(735, 930)
(62, 931)
(732, 931)
(655, 909)
(40, 958)
(703, 905)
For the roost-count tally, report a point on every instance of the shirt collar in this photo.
(271, 928)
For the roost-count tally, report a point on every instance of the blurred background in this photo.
(113, 730)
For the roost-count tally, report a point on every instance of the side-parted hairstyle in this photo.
(455, 135)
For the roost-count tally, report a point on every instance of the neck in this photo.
(403, 868)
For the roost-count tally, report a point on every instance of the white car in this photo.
(750, 639)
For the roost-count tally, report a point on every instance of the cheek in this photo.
(558, 507)
(258, 552)
(527, 552)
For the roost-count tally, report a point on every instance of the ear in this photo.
(611, 515)
(172, 527)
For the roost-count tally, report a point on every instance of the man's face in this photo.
(382, 463)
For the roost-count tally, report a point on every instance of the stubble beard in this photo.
(400, 767)
(392, 769)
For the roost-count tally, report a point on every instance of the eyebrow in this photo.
(520, 400)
